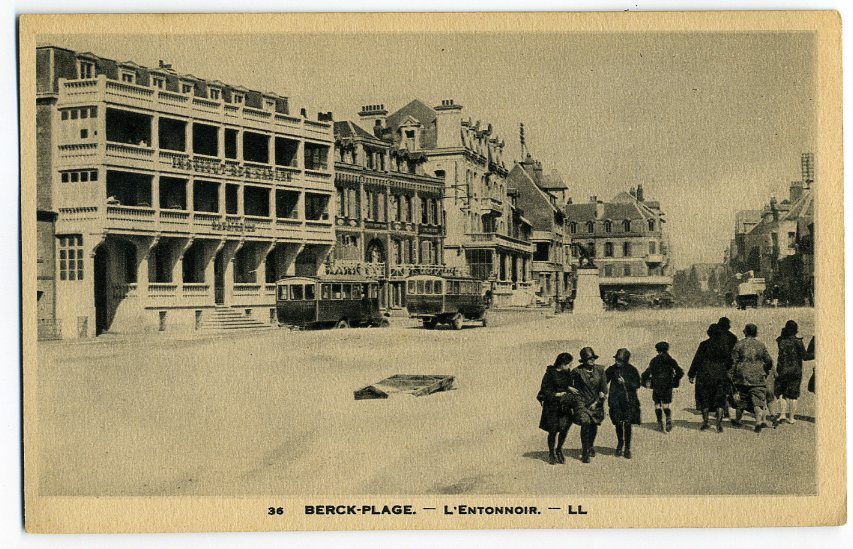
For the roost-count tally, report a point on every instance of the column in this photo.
(155, 132)
(271, 204)
(155, 192)
(189, 136)
(239, 152)
(240, 202)
(190, 194)
(220, 198)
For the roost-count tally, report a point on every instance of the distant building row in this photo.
(171, 202)
(777, 242)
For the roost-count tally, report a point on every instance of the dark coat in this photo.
(752, 363)
(663, 372)
(590, 382)
(622, 398)
(710, 365)
(731, 339)
(792, 353)
(557, 412)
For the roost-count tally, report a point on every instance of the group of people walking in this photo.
(726, 371)
(731, 373)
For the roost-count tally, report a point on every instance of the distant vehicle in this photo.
(446, 300)
(340, 302)
(621, 300)
(750, 292)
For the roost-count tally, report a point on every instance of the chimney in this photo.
(633, 192)
(599, 209)
(303, 113)
(373, 117)
(324, 116)
(640, 193)
(569, 201)
(795, 191)
(448, 119)
(774, 209)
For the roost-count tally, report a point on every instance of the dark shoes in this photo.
(736, 423)
(552, 458)
(628, 453)
(592, 452)
(661, 426)
(560, 457)
(585, 457)
(619, 451)
(668, 426)
(758, 427)
(704, 426)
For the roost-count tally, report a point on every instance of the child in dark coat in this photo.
(622, 400)
(559, 401)
(662, 376)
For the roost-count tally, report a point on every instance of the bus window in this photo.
(336, 291)
(356, 291)
(373, 291)
(347, 291)
(282, 292)
(454, 285)
(326, 291)
(296, 292)
(309, 292)
(420, 287)
(428, 287)
(411, 288)
(436, 284)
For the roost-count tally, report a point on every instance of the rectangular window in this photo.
(238, 98)
(356, 291)
(347, 291)
(337, 291)
(626, 249)
(87, 70)
(186, 89)
(309, 292)
(215, 94)
(411, 288)
(128, 77)
(282, 293)
(326, 291)
(653, 248)
(627, 270)
(159, 83)
(71, 257)
(296, 292)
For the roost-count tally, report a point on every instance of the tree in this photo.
(713, 284)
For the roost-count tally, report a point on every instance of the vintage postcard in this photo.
(432, 271)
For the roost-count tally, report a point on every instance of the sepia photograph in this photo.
(443, 271)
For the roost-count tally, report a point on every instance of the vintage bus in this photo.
(328, 301)
(446, 300)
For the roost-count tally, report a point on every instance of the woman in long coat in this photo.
(557, 397)
(622, 399)
(710, 372)
(789, 370)
(591, 383)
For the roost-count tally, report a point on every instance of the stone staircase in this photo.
(225, 319)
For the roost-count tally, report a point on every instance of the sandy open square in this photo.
(273, 413)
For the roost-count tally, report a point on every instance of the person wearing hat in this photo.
(709, 371)
(622, 399)
(559, 401)
(752, 364)
(591, 383)
(662, 376)
(789, 371)
(731, 339)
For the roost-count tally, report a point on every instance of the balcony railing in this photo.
(247, 290)
(346, 267)
(162, 289)
(195, 289)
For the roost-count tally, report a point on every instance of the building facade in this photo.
(174, 196)
(485, 231)
(541, 198)
(626, 236)
(780, 246)
(390, 217)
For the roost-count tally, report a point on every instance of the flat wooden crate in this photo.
(411, 384)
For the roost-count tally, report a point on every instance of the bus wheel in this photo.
(430, 323)
(342, 323)
(456, 321)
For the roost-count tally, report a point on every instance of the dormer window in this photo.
(239, 98)
(651, 224)
(214, 93)
(626, 225)
(608, 226)
(128, 77)
(186, 88)
(590, 227)
(87, 70)
(159, 82)
(269, 105)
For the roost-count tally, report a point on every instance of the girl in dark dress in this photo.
(557, 397)
(622, 400)
(591, 384)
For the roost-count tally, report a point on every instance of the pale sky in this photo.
(709, 123)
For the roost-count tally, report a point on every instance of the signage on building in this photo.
(233, 226)
(203, 165)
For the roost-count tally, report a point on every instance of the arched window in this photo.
(651, 224)
(626, 225)
(590, 226)
(608, 249)
(608, 226)
(573, 227)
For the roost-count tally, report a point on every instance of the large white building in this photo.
(169, 202)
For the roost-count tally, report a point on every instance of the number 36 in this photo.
(275, 511)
